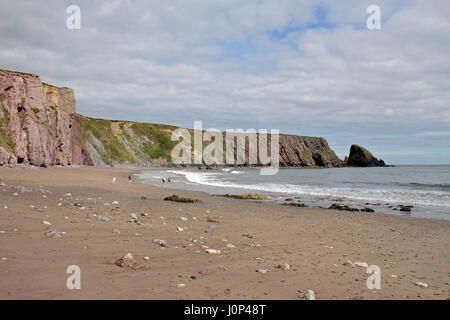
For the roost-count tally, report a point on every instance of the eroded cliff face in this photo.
(39, 126)
(36, 122)
(299, 151)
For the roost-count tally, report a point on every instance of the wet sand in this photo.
(314, 242)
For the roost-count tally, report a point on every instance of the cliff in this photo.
(36, 122)
(39, 126)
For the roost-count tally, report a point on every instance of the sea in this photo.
(384, 189)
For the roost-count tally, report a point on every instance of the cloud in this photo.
(303, 67)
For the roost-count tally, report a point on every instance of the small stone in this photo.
(181, 285)
(349, 264)
(263, 271)
(310, 295)
(46, 223)
(184, 219)
(394, 276)
(231, 246)
(421, 284)
(179, 229)
(361, 264)
(213, 251)
(146, 258)
(204, 272)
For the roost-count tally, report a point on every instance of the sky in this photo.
(304, 67)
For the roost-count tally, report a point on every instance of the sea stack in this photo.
(361, 157)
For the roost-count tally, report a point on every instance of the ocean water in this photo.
(426, 188)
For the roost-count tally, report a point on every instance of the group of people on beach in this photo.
(130, 177)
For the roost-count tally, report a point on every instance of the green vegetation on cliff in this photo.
(113, 150)
(160, 144)
(5, 139)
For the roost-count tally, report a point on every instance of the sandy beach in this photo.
(250, 235)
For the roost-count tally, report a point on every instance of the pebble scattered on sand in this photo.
(349, 264)
(421, 284)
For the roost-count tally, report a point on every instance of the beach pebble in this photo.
(231, 246)
(421, 284)
(394, 276)
(53, 233)
(361, 264)
(349, 264)
(115, 202)
(103, 219)
(284, 266)
(146, 258)
(181, 285)
(212, 251)
(46, 223)
(309, 295)
(184, 219)
(180, 229)
(263, 271)
(204, 272)
(159, 242)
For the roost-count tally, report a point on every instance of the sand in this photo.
(314, 242)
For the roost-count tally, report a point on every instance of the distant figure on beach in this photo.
(114, 180)
(168, 180)
(163, 180)
(129, 179)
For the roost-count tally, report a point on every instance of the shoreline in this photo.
(293, 198)
(314, 242)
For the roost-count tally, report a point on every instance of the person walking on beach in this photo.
(114, 180)
(163, 180)
(129, 179)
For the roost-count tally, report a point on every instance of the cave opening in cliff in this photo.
(20, 160)
(19, 108)
(317, 158)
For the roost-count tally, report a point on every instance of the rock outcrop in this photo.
(361, 157)
(36, 122)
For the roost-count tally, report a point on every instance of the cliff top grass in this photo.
(18, 72)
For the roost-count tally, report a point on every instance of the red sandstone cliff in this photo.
(36, 123)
